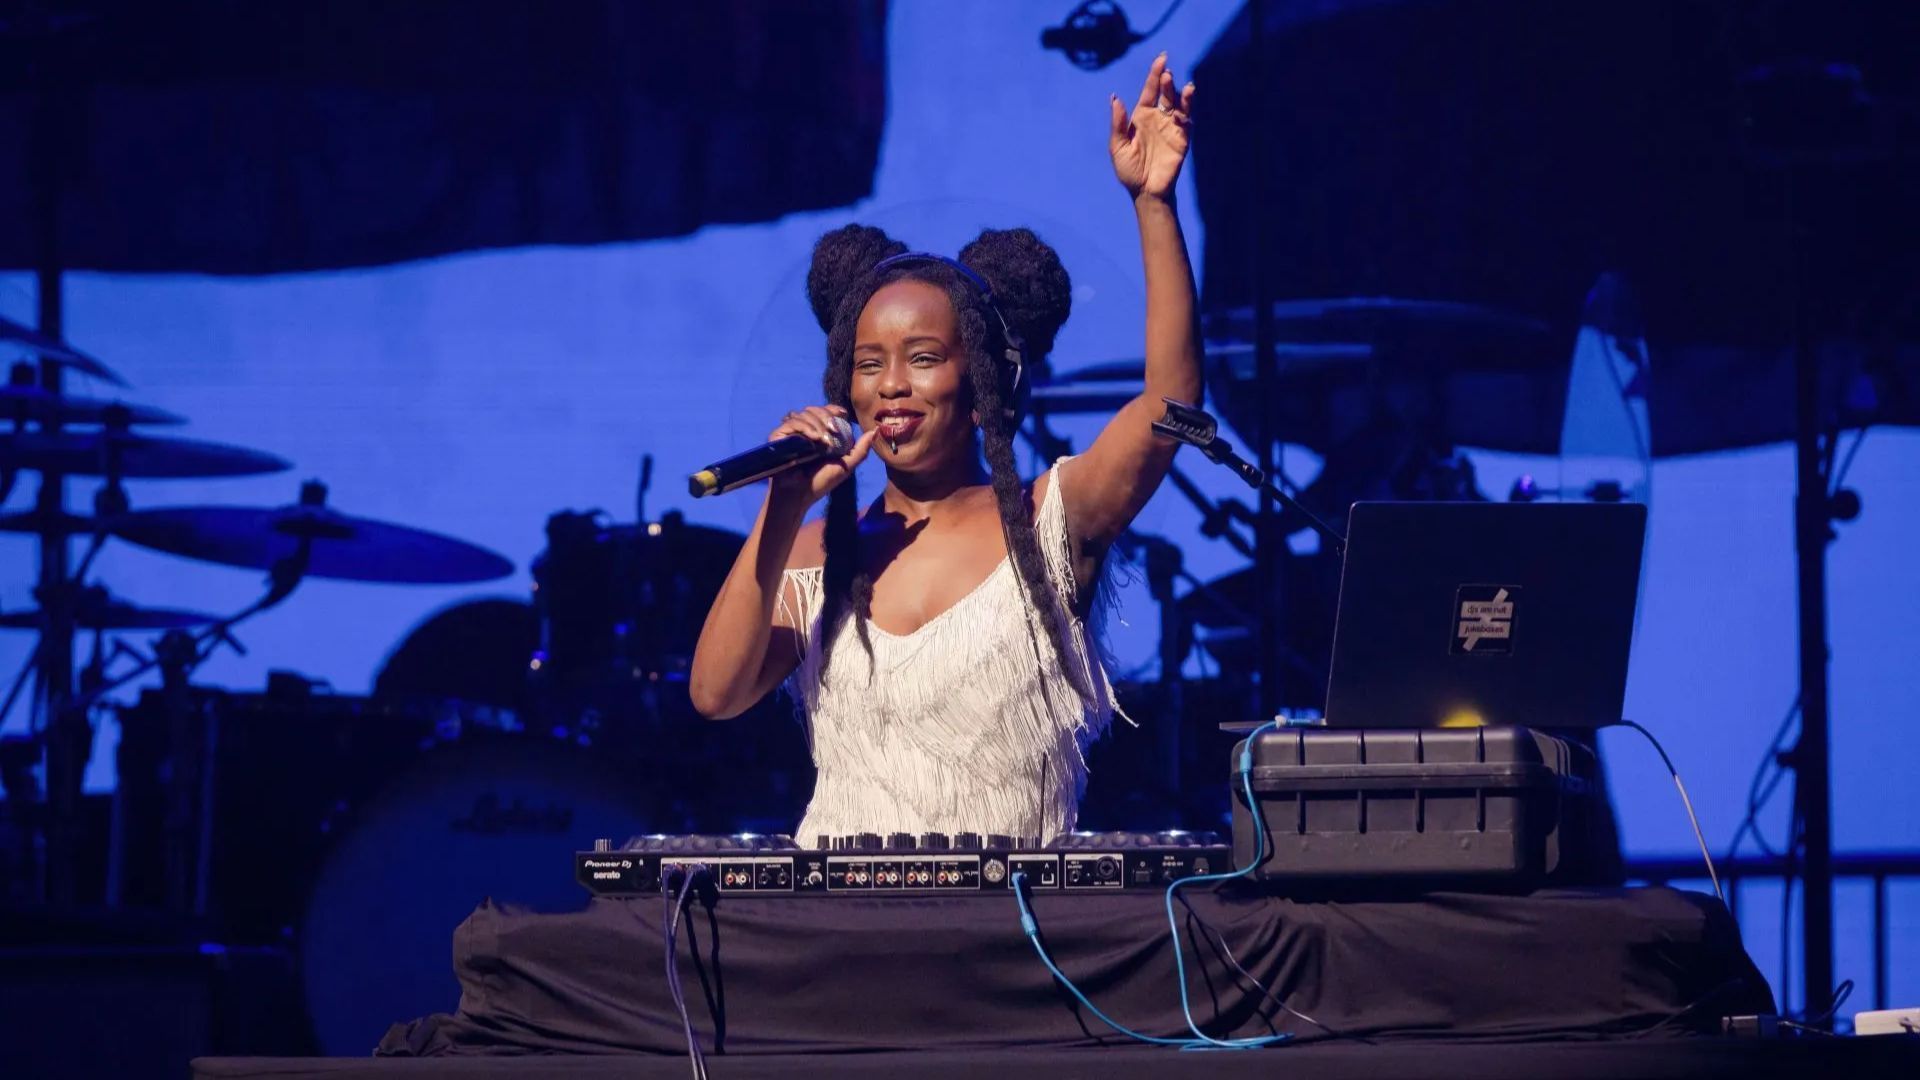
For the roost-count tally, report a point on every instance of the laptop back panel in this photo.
(1455, 614)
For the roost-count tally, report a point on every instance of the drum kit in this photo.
(593, 668)
(498, 732)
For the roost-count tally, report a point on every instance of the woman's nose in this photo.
(893, 381)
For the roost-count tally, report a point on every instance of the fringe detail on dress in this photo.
(963, 725)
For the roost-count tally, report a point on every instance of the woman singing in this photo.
(937, 640)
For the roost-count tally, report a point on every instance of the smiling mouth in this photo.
(898, 428)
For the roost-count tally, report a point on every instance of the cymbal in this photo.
(58, 351)
(344, 547)
(96, 453)
(1462, 374)
(1367, 318)
(22, 403)
(1105, 387)
(33, 521)
(112, 615)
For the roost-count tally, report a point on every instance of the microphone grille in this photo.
(843, 434)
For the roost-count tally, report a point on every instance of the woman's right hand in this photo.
(811, 482)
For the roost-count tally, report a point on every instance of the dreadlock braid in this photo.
(1016, 523)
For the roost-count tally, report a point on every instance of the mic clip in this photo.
(1092, 36)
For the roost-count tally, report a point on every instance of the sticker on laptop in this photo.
(1485, 623)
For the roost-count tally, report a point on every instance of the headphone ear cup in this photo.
(1013, 384)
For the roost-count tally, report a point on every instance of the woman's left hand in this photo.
(1149, 147)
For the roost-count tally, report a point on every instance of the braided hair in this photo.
(1034, 294)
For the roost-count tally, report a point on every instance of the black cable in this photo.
(1840, 995)
(1760, 790)
(1840, 475)
(1686, 802)
(669, 931)
(1155, 28)
(1734, 983)
(1221, 939)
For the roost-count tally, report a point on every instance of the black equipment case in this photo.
(1494, 805)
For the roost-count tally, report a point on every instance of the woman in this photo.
(937, 642)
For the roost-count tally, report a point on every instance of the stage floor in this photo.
(1610, 1060)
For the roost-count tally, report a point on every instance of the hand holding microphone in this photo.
(809, 454)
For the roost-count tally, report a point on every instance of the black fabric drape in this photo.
(826, 974)
(233, 137)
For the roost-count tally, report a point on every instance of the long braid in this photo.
(1016, 523)
(845, 580)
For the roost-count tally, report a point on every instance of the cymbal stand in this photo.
(286, 575)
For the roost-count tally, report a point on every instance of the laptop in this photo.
(1467, 614)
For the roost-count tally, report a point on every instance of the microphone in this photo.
(763, 461)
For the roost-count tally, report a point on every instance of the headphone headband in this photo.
(1013, 390)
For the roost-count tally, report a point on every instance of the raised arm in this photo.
(1117, 474)
(747, 645)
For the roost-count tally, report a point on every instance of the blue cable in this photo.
(1201, 1041)
(1173, 924)
(1032, 930)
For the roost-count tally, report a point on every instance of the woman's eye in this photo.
(928, 358)
(866, 365)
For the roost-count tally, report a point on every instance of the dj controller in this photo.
(900, 864)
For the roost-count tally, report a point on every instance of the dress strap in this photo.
(799, 601)
(1056, 538)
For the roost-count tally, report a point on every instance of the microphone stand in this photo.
(1197, 429)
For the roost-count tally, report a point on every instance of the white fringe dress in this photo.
(968, 724)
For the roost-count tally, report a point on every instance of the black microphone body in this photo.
(763, 461)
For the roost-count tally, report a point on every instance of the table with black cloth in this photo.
(765, 976)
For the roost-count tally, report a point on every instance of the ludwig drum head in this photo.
(488, 817)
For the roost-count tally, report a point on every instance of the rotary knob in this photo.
(823, 842)
(999, 840)
(900, 841)
(967, 841)
(934, 841)
(867, 841)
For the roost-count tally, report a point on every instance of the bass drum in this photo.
(489, 815)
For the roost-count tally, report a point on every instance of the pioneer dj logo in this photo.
(1485, 625)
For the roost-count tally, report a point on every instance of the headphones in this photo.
(1013, 377)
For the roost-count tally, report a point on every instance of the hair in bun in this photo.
(1030, 285)
(840, 259)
